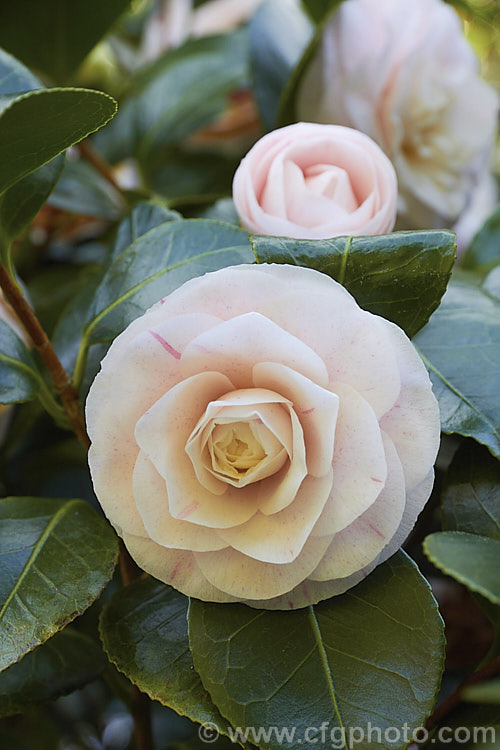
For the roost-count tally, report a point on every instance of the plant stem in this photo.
(447, 706)
(141, 709)
(90, 154)
(60, 377)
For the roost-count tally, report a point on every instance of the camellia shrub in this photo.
(249, 414)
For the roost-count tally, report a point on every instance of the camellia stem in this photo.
(60, 377)
(89, 154)
(69, 398)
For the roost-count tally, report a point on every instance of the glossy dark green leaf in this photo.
(54, 36)
(471, 495)
(144, 216)
(20, 203)
(83, 191)
(144, 632)
(469, 558)
(184, 177)
(374, 654)
(57, 556)
(461, 348)
(279, 33)
(485, 247)
(401, 276)
(37, 126)
(19, 376)
(64, 663)
(183, 91)
(156, 264)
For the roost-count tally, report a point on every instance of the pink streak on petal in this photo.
(188, 510)
(374, 479)
(377, 532)
(308, 411)
(170, 349)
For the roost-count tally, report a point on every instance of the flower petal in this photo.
(316, 409)
(413, 422)
(242, 576)
(279, 538)
(235, 346)
(359, 544)
(162, 434)
(175, 567)
(150, 492)
(359, 463)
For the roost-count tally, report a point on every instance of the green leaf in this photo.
(83, 191)
(279, 33)
(374, 654)
(19, 376)
(20, 203)
(401, 276)
(469, 558)
(37, 126)
(64, 663)
(57, 556)
(471, 495)
(183, 91)
(488, 692)
(144, 632)
(460, 347)
(184, 177)
(485, 247)
(144, 216)
(491, 284)
(222, 210)
(53, 37)
(157, 263)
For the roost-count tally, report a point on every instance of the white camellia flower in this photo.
(314, 181)
(258, 437)
(402, 72)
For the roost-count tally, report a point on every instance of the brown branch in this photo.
(141, 709)
(90, 154)
(60, 377)
(454, 700)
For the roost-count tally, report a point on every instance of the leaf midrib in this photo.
(36, 551)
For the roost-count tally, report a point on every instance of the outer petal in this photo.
(115, 402)
(359, 463)
(247, 578)
(312, 592)
(235, 346)
(413, 422)
(279, 538)
(415, 501)
(175, 567)
(316, 408)
(359, 544)
(150, 493)
(162, 434)
(355, 346)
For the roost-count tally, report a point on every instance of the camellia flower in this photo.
(258, 437)
(402, 72)
(315, 181)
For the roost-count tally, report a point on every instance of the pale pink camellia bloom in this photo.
(402, 72)
(315, 181)
(176, 20)
(257, 437)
